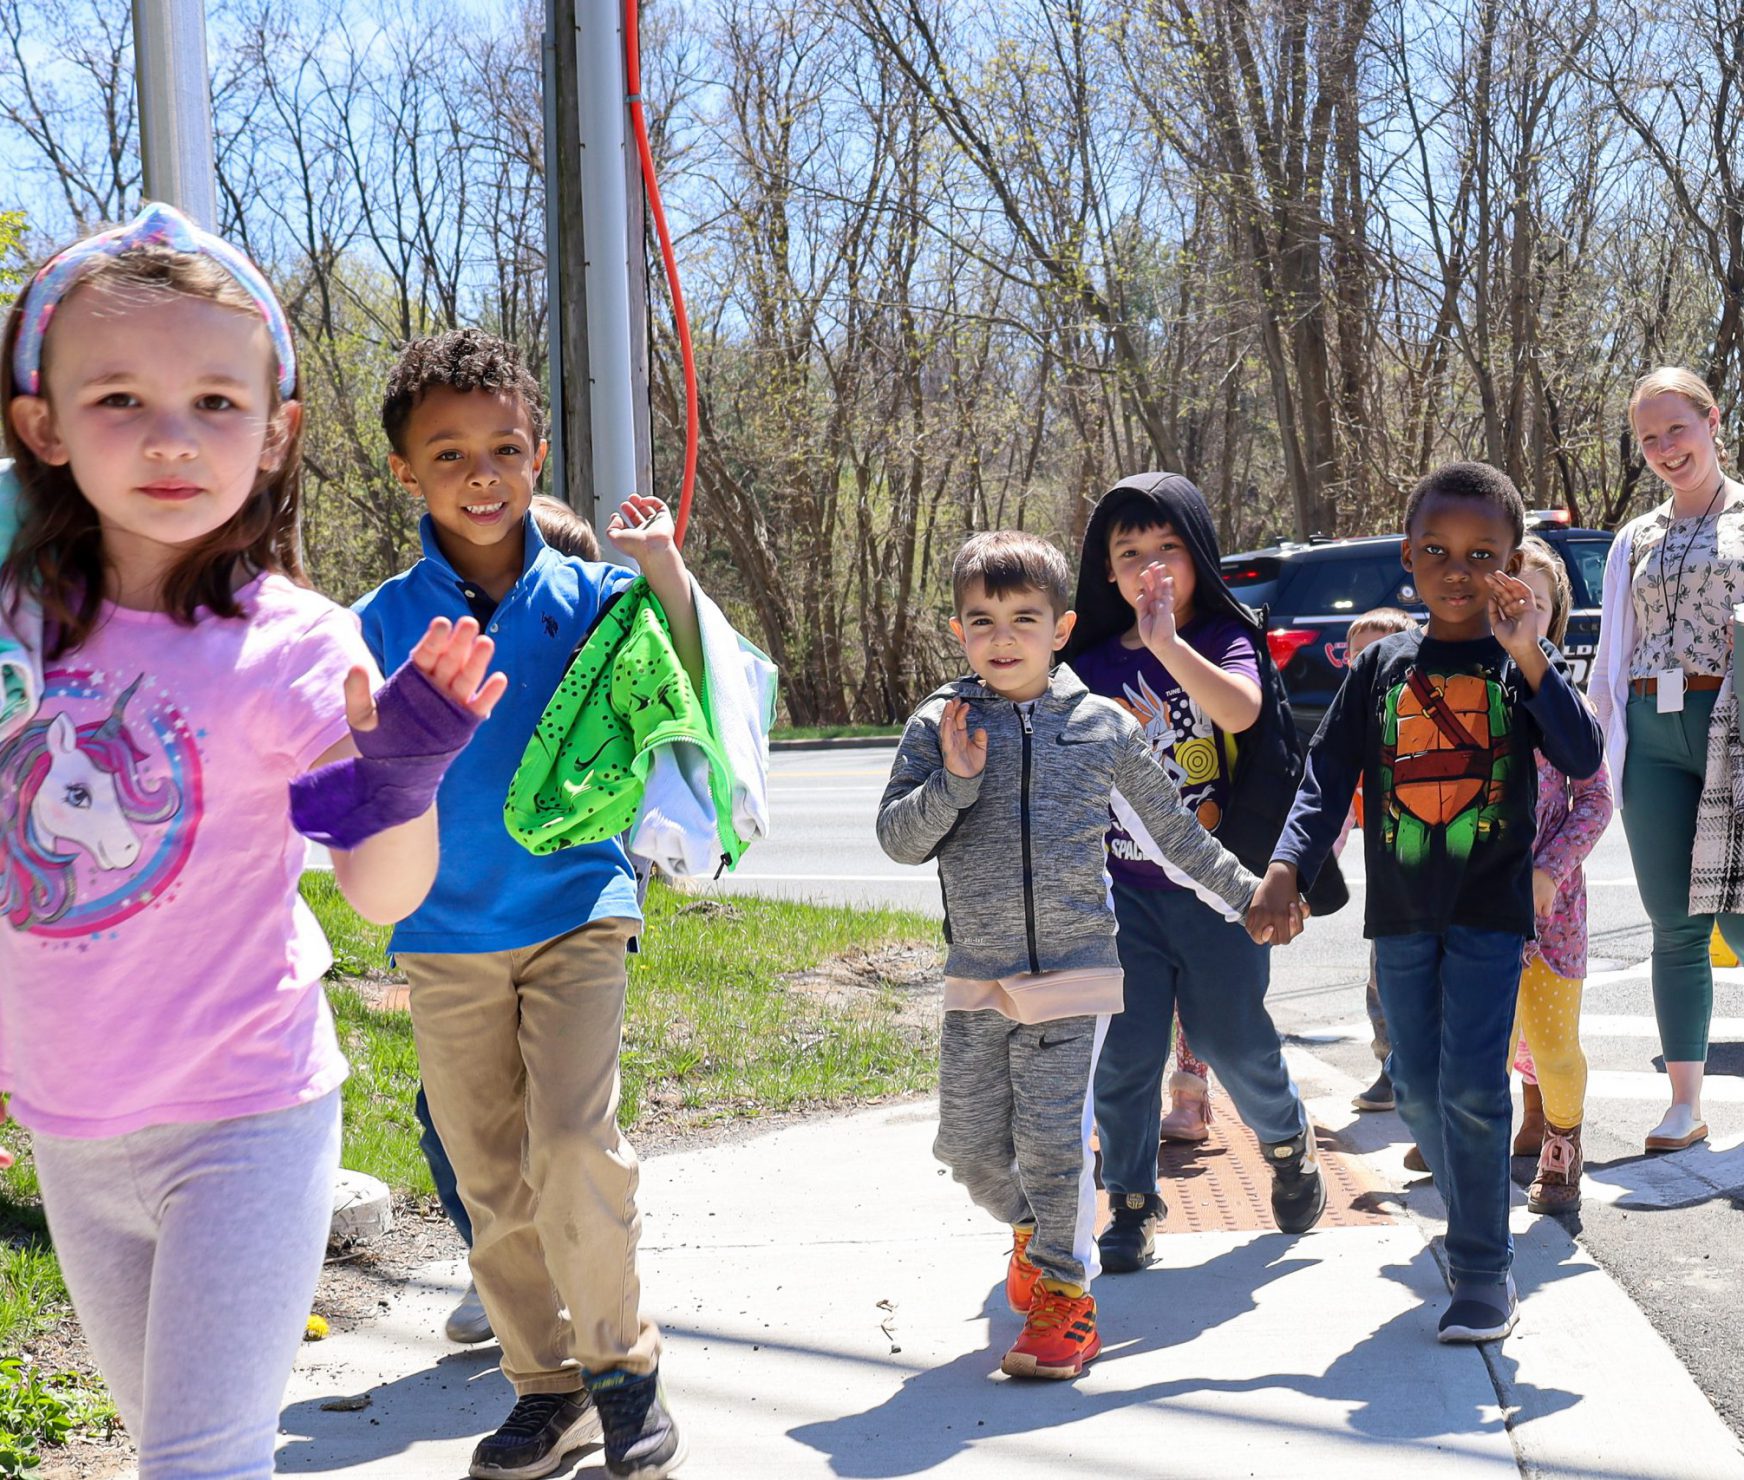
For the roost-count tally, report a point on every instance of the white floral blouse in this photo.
(1686, 575)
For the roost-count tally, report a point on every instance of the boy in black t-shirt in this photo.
(1439, 726)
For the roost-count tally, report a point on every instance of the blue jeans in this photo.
(1177, 952)
(442, 1171)
(1449, 1001)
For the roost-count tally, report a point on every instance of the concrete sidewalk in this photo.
(834, 1307)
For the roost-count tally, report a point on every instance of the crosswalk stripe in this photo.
(1646, 1084)
(1705, 1170)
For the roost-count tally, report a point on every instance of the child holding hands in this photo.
(1439, 728)
(1005, 777)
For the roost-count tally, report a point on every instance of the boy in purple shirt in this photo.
(1159, 632)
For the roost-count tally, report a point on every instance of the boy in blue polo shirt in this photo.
(516, 962)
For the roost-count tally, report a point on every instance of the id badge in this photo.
(1671, 691)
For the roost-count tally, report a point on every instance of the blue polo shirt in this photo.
(490, 893)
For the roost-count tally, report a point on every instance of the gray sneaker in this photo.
(467, 1323)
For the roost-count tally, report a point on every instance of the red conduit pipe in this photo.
(639, 123)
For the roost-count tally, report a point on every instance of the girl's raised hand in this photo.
(965, 754)
(1156, 609)
(454, 657)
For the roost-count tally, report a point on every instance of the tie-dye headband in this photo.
(156, 225)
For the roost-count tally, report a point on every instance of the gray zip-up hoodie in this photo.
(1020, 847)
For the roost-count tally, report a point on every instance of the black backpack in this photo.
(1269, 757)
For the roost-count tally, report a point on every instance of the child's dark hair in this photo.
(1382, 620)
(563, 529)
(1005, 560)
(57, 554)
(463, 360)
(1535, 554)
(1473, 480)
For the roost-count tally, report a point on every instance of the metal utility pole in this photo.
(571, 436)
(596, 275)
(175, 106)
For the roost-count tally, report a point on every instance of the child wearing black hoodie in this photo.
(1160, 633)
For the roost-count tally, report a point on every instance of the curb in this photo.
(841, 742)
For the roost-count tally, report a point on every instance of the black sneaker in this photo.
(1480, 1312)
(540, 1430)
(641, 1438)
(1129, 1241)
(1298, 1189)
(1378, 1096)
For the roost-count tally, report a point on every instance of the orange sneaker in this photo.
(1058, 1338)
(1021, 1274)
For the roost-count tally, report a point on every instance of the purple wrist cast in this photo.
(394, 777)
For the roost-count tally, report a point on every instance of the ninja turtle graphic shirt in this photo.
(1199, 757)
(1440, 736)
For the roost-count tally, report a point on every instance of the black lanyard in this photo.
(1674, 597)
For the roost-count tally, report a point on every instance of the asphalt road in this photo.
(1663, 1227)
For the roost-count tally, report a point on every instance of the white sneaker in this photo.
(467, 1323)
(1681, 1127)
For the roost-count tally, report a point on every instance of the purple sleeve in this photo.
(1231, 648)
(1560, 853)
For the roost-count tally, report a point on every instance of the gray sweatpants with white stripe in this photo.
(1015, 1117)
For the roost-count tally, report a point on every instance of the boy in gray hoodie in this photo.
(1006, 777)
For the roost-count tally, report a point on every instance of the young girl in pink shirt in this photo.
(162, 1027)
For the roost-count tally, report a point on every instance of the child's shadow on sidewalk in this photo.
(461, 1395)
(940, 1412)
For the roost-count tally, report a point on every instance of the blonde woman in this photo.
(1671, 582)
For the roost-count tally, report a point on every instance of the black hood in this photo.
(1154, 498)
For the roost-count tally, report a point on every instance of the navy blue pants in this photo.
(1449, 1001)
(441, 1171)
(1178, 952)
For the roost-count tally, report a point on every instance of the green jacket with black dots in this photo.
(582, 775)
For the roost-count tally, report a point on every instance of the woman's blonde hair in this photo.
(1535, 554)
(1674, 380)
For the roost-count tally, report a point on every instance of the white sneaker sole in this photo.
(1473, 1334)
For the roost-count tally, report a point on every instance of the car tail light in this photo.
(1286, 642)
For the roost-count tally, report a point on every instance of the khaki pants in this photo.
(519, 1052)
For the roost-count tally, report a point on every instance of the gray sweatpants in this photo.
(1015, 1117)
(192, 1252)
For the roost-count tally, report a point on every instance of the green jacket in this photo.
(582, 775)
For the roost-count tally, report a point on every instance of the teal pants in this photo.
(1662, 783)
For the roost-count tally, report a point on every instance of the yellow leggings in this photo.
(1548, 1016)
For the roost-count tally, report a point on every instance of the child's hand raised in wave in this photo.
(965, 754)
(1513, 613)
(1156, 610)
(1277, 912)
(643, 529)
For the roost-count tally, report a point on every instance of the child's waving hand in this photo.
(965, 754)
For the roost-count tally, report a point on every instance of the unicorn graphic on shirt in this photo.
(68, 789)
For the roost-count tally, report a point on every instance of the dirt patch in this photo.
(857, 979)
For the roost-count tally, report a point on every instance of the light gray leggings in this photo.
(192, 1253)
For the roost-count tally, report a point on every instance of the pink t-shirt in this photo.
(156, 962)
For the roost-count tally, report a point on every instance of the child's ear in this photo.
(1405, 553)
(1063, 629)
(1515, 561)
(33, 420)
(539, 459)
(402, 471)
(280, 432)
(957, 629)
